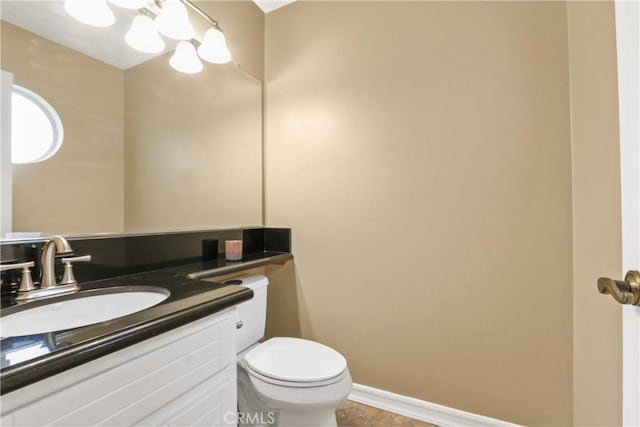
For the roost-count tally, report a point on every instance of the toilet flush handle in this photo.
(239, 324)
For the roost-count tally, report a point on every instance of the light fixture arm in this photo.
(202, 13)
(158, 5)
(148, 12)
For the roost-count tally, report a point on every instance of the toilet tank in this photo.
(252, 313)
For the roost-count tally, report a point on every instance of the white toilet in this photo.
(289, 382)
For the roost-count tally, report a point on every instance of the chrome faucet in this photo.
(57, 245)
(27, 291)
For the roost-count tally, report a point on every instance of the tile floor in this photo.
(352, 414)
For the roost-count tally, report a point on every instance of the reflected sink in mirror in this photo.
(80, 309)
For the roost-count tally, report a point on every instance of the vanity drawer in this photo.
(158, 377)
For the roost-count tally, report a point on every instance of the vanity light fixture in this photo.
(173, 21)
(91, 12)
(143, 35)
(214, 47)
(167, 17)
(185, 60)
(129, 4)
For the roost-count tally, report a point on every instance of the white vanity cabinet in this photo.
(182, 377)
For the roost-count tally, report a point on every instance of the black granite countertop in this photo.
(27, 359)
(168, 260)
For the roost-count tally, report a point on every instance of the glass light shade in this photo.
(129, 4)
(143, 35)
(214, 47)
(173, 21)
(91, 12)
(185, 59)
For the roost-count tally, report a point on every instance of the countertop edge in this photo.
(240, 266)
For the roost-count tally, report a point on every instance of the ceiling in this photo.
(269, 5)
(50, 20)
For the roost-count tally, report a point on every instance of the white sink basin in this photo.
(80, 309)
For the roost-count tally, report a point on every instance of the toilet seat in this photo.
(294, 397)
(294, 384)
(295, 362)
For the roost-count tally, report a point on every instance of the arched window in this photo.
(36, 128)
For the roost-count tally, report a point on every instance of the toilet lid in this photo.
(295, 360)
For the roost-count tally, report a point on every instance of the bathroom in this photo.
(437, 185)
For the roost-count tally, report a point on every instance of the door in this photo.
(628, 291)
(628, 47)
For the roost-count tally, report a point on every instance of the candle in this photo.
(233, 250)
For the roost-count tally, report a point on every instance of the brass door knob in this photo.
(625, 292)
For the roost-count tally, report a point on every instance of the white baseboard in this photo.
(420, 410)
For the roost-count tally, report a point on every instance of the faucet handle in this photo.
(16, 266)
(68, 278)
(71, 260)
(26, 283)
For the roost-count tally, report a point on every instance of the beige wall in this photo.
(193, 151)
(80, 188)
(596, 219)
(421, 153)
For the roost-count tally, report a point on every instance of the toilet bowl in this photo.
(289, 382)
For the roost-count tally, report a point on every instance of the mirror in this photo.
(145, 148)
